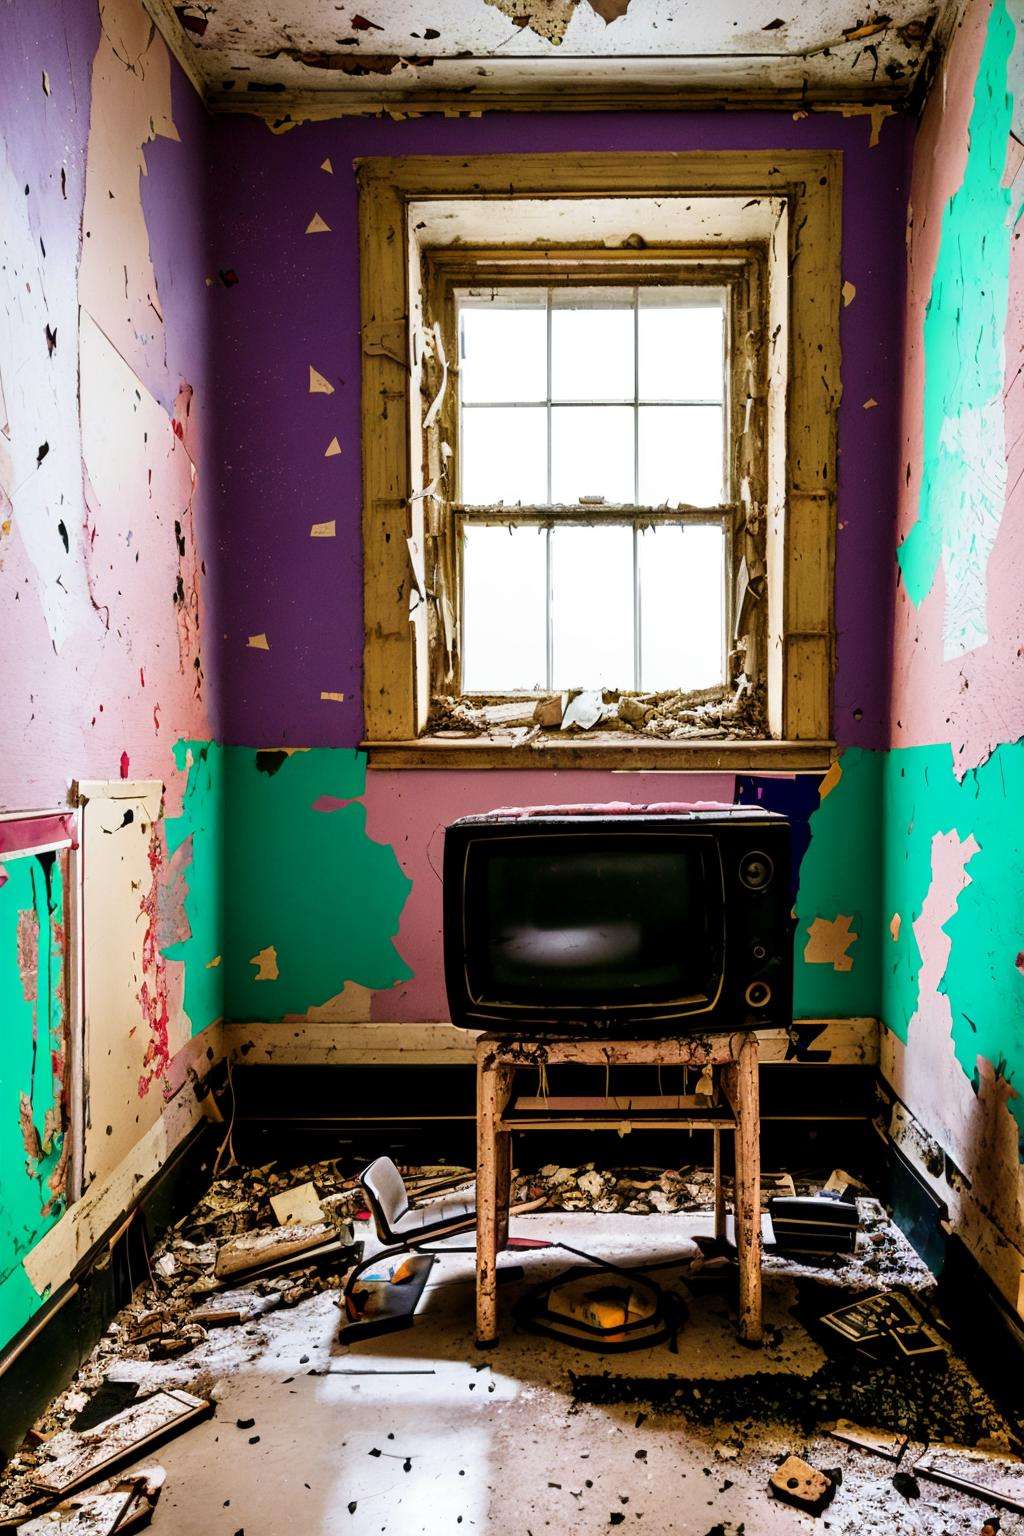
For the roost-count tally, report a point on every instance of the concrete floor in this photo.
(493, 1442)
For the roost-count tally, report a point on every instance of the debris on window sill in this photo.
(709, 714)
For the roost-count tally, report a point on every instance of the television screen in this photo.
(593, 923)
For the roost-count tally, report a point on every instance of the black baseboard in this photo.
(53, 1344)
(986, 1331)
(814, 1116)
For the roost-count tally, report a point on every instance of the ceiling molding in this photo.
(235, 78)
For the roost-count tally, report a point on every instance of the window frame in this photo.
(799, 508)
(738, 270)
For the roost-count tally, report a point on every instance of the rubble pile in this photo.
(635, 1191)
(707, 714)
(199, 1282)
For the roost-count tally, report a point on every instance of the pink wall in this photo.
(104, 531)
(411, 810)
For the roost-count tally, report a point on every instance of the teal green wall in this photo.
(32, 990)
(195, 841)
(983, 978)
(839, 877)
(306, 881)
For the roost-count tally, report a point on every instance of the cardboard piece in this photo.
(293, 1207)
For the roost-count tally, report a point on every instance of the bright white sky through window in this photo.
(601, 398)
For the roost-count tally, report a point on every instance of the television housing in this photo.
(632, 922)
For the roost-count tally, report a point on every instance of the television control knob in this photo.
(758, 994)
(756, 871)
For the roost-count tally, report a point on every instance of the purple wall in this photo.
(296, 303)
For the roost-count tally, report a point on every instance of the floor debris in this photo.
(881, 1442)
(118, 1505)
(796, 1482)
(682, 1442)
(994, 1476)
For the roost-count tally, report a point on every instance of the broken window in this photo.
(591, 440)
(600, 400)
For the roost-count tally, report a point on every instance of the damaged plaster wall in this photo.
(33, 1146)
(105, 430)
(288, 337)
(953, 894)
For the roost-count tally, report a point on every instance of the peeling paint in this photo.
(924, 799)
(195, 844)
(829, 941)
(963, 483)
(838, 905)
(312, 887)
(32, 1066)
(266, 965)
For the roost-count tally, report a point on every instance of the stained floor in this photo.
(350, 1441)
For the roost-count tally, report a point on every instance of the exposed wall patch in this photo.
(963, 475)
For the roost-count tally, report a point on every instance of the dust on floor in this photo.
(418, 1432)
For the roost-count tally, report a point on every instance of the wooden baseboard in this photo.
(837, 1042)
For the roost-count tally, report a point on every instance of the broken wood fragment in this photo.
(129, 1434)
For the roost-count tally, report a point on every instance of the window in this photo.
(607, 404)
(600, 402)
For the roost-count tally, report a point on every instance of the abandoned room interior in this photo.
(511, 767)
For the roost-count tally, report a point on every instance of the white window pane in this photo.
(504, 454)
(682, 615)
(681, 346)
(680, 455)
(592, 344)
(592, 607)
(504, 641)
(592, 452)
(503, 349)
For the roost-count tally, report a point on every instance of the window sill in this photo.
(616, 755)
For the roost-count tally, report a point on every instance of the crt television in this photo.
(632, 921)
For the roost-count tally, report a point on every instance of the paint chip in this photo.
(318, 385)
(46, 83)
(266, 964)
(830, 780)
(323, 530)
(211, 965)
(895, 923)
(333, 698)
(317, 226)
(849, 294)
(828, 939)
(325, 165)
(333, 449)
(869, 405)
(258, 643)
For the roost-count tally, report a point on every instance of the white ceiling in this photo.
(265, 54)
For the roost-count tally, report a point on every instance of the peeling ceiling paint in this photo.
(246, 54)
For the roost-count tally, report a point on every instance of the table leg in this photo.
(504, 1186)
(719, 1187)
(487, 1112)
(748, 1191)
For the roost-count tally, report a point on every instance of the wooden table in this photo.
(732, 1106)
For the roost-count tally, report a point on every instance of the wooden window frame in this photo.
(447, 271)
(799, 508)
